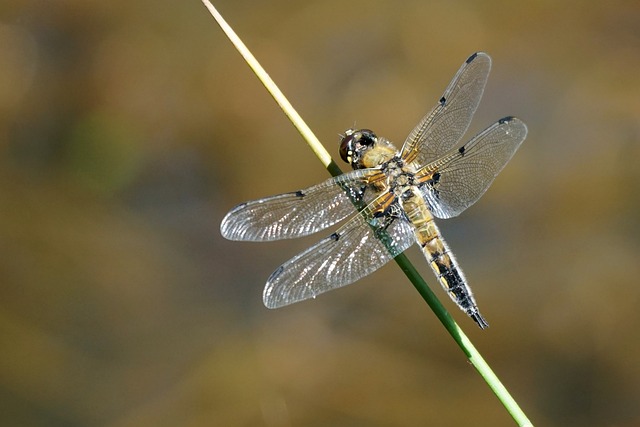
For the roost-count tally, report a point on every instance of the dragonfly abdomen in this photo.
(444, 264)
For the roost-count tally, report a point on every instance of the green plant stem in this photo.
(463, 341)
(418, 282)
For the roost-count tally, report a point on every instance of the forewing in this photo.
(443, 127)
(298, 213)
(358, 248)
(457, 181)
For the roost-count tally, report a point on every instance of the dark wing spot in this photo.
(275, 274)
(334, 237)
(472, 57)
(300, 193)
(461, 150)
(443, 101)
(379, 214)
(431, 183)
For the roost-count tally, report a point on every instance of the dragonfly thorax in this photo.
(401, 179)
(402, 184)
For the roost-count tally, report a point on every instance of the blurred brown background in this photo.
(129, 128)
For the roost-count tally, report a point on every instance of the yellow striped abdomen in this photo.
(441, 259)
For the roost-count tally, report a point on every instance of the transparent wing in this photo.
(457, 181)
(443, 127)
(299, 213)
(358, 248)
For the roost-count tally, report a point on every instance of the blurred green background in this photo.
(129, 128)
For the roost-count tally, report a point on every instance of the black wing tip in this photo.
(475, 55)
(515, 121)
(274, 276)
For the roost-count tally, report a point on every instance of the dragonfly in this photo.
(390, 199)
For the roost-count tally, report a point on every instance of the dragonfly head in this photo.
(354, 145)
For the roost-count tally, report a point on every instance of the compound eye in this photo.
(347, 147)
(355, 143)
(367, 137)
